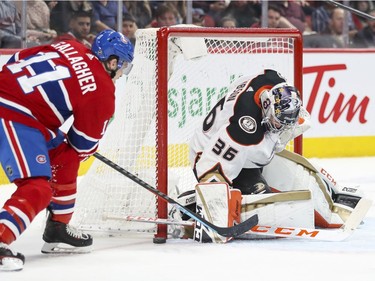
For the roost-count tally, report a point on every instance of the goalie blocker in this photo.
(219, 205)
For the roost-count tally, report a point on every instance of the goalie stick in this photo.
(232, 231)
(333, 235)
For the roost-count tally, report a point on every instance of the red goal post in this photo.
(163, 37)
(178, 75)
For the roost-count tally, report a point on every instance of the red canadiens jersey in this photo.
(43, 86)
(232, 136)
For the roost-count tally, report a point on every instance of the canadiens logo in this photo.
(248, 124)
(41, 159)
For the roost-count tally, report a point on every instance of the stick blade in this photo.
(238, 229)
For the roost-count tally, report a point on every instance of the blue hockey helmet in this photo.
(109, 42)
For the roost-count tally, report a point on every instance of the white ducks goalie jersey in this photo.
(232, 136)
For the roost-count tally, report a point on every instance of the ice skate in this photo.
(10, 260)
(63, 238)
(347, 196)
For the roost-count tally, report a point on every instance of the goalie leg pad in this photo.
(218, 205)
(295, 172)
(291, 209)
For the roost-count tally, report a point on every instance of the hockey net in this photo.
(178, 75)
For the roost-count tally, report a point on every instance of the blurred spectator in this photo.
(165, 15)
(204, 5)
(332, 36)
(129, 27)
(274, 16)
(51, 4)
(244, 11)
(141, 11)
(105, 14)
(228, 22)
(365, 38)
(274, 19)
(63, 11)
(10, 25)
(321, 16)
(80, 26)
(180, 7)
(38, 23)
(293, 12)
(216, 10)
(364, 7)
(198, 17)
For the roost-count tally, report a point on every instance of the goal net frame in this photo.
(191, 39)
(162, 90)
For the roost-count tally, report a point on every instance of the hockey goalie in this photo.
(239, 159)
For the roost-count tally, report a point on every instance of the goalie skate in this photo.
(63, 238)
(347, 196)
(10, 260)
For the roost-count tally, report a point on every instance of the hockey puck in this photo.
(159, 240)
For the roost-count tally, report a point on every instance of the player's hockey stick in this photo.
(337, 234)
(149, 220)
(223, 231)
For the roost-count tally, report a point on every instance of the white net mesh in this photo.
(200, 69)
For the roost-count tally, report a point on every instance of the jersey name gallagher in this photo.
(84, 75)
(43, 86)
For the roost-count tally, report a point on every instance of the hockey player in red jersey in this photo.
(40, 89)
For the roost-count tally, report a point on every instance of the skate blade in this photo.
(62, 248)
(11, 264)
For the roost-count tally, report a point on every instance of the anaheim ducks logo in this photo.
(248, 124)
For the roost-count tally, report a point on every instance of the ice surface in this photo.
(135, 257)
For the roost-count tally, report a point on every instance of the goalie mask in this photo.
(280, 107)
